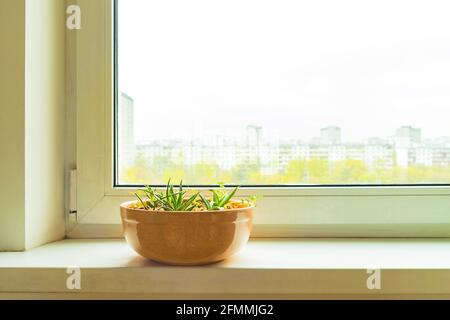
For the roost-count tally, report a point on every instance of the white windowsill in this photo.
(271, 267)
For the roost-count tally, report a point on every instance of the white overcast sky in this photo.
(199, 67)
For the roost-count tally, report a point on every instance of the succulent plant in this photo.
(178, 199)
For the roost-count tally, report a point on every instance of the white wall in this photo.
(45, 113)
(32, 87)
(12, 124)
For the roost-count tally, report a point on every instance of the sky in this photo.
(208, 67)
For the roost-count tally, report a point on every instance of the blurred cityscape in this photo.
(405, 148)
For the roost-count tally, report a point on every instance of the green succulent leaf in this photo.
(205, 201)
(142, 202)
(224, 201)
(187, 203)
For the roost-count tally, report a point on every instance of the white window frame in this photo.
(378, 211)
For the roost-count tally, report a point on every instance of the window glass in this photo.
(278, 92)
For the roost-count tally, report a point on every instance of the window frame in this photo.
(288, 211)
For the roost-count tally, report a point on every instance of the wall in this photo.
(45, 112)
(32, 88)
(12, 124)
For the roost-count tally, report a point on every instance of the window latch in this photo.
(73, 195)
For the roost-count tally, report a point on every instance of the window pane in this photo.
(283, 92)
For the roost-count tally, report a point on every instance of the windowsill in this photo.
(270, 267)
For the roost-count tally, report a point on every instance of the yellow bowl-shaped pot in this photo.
(186, 238)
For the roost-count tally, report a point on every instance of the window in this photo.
(283, 92)
(134, 141)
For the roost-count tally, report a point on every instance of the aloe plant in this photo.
(170, 200)
(178, 199)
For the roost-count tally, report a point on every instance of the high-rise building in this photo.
(254, 140)
(254, 135)
(406, 139)
(127, 147)
(407, 136)
(330, 135)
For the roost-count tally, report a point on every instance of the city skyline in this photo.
(295, 139)
(329, 146)
(405, 148)
(127, 118)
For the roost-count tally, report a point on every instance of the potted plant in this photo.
(180, 228)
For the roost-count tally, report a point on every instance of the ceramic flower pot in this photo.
(186, 238)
